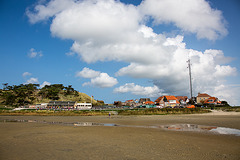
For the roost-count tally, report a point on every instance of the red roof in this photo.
(149, 102)
(158, 99)
(168, 98)
(203, 95)
(171, 98)
(129, 101)
(214, 100)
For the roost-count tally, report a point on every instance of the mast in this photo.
(190, 76)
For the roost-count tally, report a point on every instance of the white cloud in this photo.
(70, 53)
(44, 84)
(195, 16)
(108, 30)
(98, 79)
(46, 11)
(102, 81)
(87, 73)
(229, 93)
(26, 74)
(74, 18)
(172, 76)
(139, 90)
(32, 80)
(35, 81)
(34, 54)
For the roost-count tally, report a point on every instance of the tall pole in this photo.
(190, 76)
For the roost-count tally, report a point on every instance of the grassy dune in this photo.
(155, 111)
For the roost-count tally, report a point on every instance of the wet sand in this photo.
(55, 141)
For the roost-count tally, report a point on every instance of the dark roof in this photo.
(144, 100)
(61, 103)
(184, 98)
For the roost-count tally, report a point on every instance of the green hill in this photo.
(28, 94)
(79, 97)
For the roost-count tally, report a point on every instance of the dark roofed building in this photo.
(143, 100)
(182, 99)
(61, 105)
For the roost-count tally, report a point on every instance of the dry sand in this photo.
(54, 141)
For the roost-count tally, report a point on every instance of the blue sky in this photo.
(120, 50)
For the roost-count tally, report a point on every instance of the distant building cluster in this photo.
(170, 101)
(166, 101)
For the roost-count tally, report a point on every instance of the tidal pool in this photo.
(173, 127)
(200, 128)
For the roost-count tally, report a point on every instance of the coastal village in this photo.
(166, 101)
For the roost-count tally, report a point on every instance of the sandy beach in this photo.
(33, 140)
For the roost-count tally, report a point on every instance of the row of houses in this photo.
(201, 99)
(171, 101)
(160, 102)
(133, 103)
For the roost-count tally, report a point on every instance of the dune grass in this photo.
(152, 111)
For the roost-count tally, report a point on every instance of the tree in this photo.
(69, 90)
(225, 103)
(191, 101)
(9, 98)
(5, 86)
(118, 103)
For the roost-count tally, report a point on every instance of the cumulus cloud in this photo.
(98, 79)
(102, 81)
(32, 80)
(225, 93)
(139, 90)
(35, 81)
(108, 30)
(172, 77)
(25, 74)
(34, 54)
(87, 73)
(46, 11)
(195, 16)
(44, 84)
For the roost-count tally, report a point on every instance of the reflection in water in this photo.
(223, 130)
(187, 127)
(195, 127)
(175, 127)
(93, 124)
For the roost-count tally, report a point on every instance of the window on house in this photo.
(172, 101)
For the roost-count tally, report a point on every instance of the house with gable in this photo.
(167, 101)
(183, 100)
(202, 97)
(143, 100)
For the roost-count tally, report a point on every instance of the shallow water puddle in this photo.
(81, 124)
(200, 128)
(175, 127)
